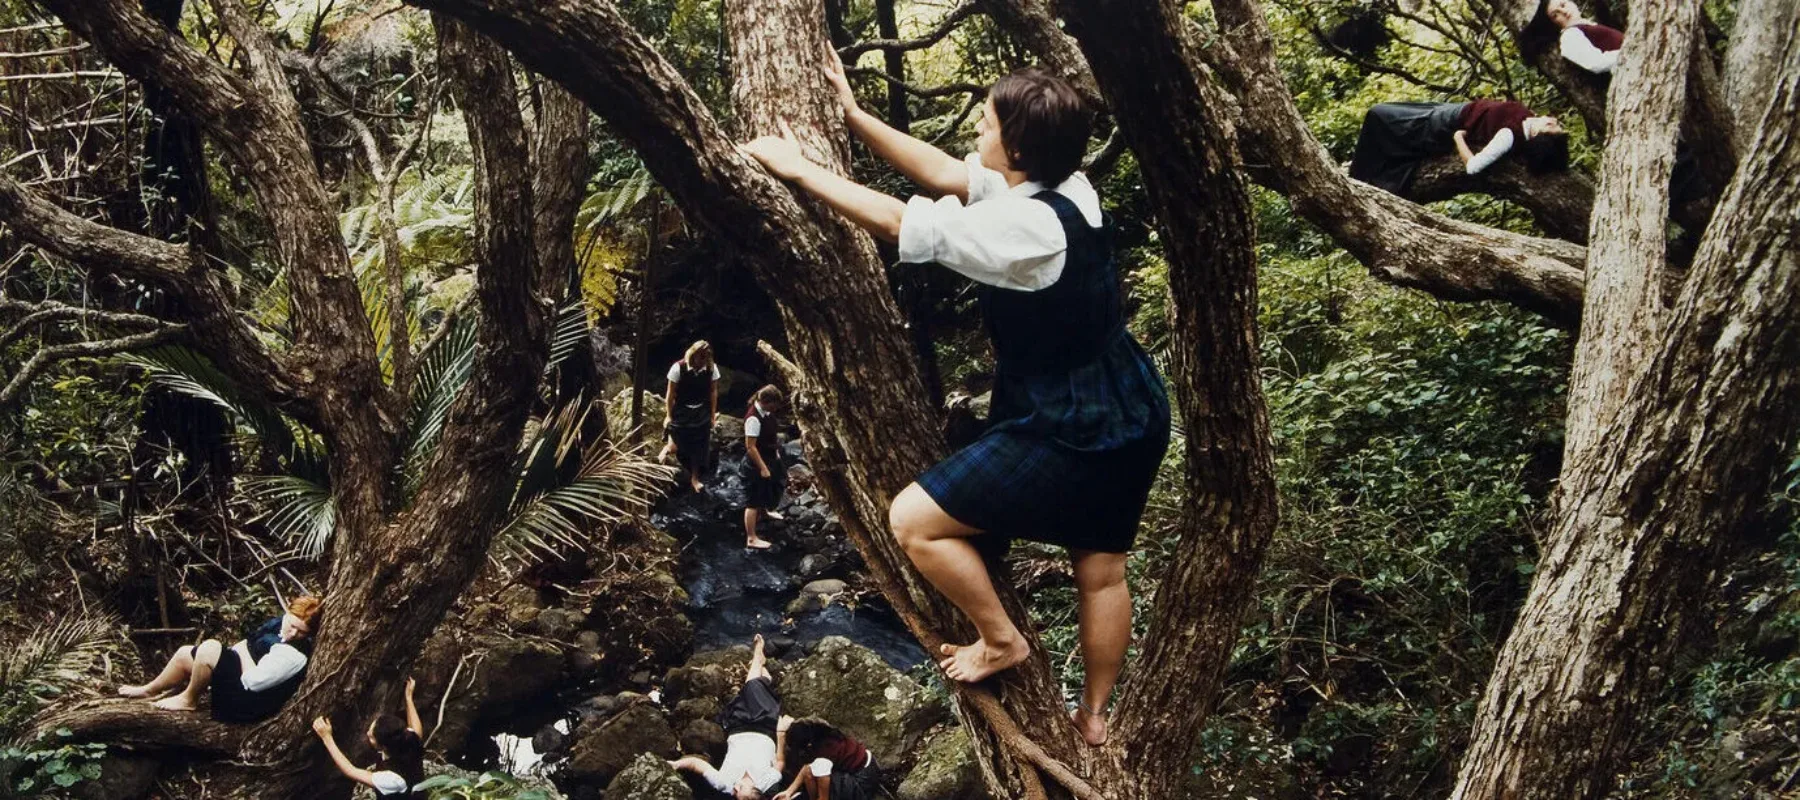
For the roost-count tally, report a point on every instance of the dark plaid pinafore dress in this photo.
(1079, 420)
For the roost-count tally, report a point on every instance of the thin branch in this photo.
(1375, 66)
(49, 310)
(949, 23)
(920, 91)
(46, 356)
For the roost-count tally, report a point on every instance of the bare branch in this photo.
(919, 91)
(46, 356)
(50, 310)
(937, 33)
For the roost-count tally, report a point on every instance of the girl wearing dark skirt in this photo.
(693, 404)
(1396, 138)
(1080, 418)
(836, 766)
(399, 747)
(247, 682)
(765, 479)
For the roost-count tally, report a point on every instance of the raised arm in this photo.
(322, 727)
(872, 211)
(934, 170)
(413, 723)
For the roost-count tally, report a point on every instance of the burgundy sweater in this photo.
(1485, 118)
(1607, 39)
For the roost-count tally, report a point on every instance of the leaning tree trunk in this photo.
(776, 82)
(1171, 114)
(1679, 418)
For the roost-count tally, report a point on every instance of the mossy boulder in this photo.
(946, 770)
(853, 688)
(603, 751)
(648, 778)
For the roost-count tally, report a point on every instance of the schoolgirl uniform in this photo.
(851, 768)
(391, 784)
(690, 414)
(1397, 137)
(1079, 420)
(1591, 46)
(759, 492)
(750, 721)
(255, 677)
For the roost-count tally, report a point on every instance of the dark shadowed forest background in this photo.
(347, 297)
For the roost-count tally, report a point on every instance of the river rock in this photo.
(648, 778)
(549, 738)
(603, 751)
(703, 737)
(817, 595)
(123, 776)
(946, 771)
(854, 689)
(715, 675)
(505, 678)
(618, 414)
(521, 605)
(696, 708)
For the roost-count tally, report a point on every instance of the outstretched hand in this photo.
(779, 155)
(834, 73)
(322, 727)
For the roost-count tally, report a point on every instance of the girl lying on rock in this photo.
(251, 680)
(755, 737)
(399, 747)
(1080, 419)
(837, 767)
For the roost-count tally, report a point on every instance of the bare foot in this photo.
(135, 692)
(775, 515)
(758, 544)
(972, 663)
(696, 485)
(756, 646)
(178, 702)
(1091, 726)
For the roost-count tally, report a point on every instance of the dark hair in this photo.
(1044, 124)
(401, 750)
(805, 737)
(1545, 152)
(769, 395)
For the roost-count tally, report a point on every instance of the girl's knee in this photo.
(208, 651)
(1100, 572)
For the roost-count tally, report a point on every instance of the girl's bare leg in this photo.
(206, 656)
(938, 545)
(1105, 613)
(171, 676)
(751, 540)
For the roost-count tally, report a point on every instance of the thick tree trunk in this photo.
(1691, 429)
(1171, 114)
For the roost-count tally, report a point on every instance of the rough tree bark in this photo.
(1172, 114)
(394, 571)
(1680, 441)
(1399, 241)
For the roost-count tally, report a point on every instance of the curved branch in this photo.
(952, 19)
(50, 310)
(135, 723)
(1560, 202)
(100, 347)
(918, 91)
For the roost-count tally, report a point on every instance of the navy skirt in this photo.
(1067, 459)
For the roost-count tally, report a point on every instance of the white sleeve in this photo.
(1502, 142)
(821, 767)
(675, 372)
(752, 426)
(284, 661)
(389, 782)
(1012, 242)
(716, 374)
(984, 183)
(1577, 48)
(716, 780)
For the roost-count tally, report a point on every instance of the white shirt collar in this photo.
(759, 408)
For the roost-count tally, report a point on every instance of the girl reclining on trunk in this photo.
(252, 679)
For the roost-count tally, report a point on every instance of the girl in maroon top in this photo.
(1397, 137)
(836, 766)
(1587, 44)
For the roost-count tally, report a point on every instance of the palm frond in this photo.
(571, 328)
(441, 376)
(612, 486)
(298, 510)
(49, 663)
(187, 372)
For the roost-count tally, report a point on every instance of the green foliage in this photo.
(487, 786)
(48, 768)
(49, 663)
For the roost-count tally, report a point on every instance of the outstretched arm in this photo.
(413, 723)
(322, 727)
(872, 211)
(934, 170)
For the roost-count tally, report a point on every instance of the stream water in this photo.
(735, 593)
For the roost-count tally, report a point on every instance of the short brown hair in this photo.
(306, 607)
(770, 395)
(1044, 124)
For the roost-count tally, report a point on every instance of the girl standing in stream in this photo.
(1080, 418)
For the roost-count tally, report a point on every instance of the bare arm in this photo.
(781, 728)
(323, 728)
(413, 723)
(1462, 146)
(715, 401)
(669, 403)
(694, 764)
(872, 211)
(936, 171)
